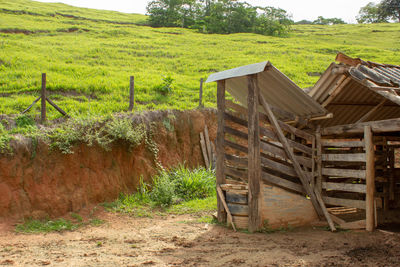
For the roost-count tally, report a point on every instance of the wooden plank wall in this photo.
(343, 172)
(275, 166)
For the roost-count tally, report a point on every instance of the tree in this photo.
(371, 13)
(273, 21)
(218, 16)
(328, 21)
(390, 9)
(165, 13)
(383, 12)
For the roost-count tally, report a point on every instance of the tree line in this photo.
(219, 16)
(383, 11)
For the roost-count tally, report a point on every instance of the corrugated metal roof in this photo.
(277, 89)
(352, 88)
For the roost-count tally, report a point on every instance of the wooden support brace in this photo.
(56, 107)
(33, 103)
(222, 197)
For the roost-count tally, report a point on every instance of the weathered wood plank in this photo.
(239, 174)
(357, 188)
(236, 209)
(359, 204)
(236, 146)
(278, 181)
(344, 173)
(236, 160)
(344, 144)
(355, 157)
(220, 150)
(392, 125)
(288, 170)
(204, 151)
(208, 144)
(236, 198)
(254, 162)
(370, 176)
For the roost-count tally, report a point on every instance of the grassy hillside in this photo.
(88, 56)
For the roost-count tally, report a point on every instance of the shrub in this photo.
(199, 183)
(182, 184)
(166, 86)
(163, 192)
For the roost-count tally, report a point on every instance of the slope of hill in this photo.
(88, 56)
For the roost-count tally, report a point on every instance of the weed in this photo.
(96, 222)
(164, 194)
(76, 216)
(165, 87)
(45, 226)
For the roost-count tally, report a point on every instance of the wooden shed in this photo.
(281, 156)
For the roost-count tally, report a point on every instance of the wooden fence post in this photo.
(370, 176)
(201, 93)
(220, 171)
(254, 159)
(43, 98)
(131, 92)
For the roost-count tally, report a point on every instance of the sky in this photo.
(299, 9)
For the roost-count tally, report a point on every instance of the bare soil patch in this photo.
(183, 241)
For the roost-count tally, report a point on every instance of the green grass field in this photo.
(88, 56)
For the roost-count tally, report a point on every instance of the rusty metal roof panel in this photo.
(277, 89)
(352, 88)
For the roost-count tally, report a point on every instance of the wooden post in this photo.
(131, 92)
(201, 93)
(254, 160)
(370, 176)
(43, 98)
(220, 171)
(319, 160)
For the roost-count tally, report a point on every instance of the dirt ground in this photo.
(183, 241)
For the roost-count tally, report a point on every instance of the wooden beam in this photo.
(274, 180)
(220, 170)
(392, 125)
(235, 173)
(372, 111)
(344, 173)
(222, 197)
(356, 188)
(370, 175)
(354, 157)
(341, 144)
(254, 162)
(359, 204)
(314, 195)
